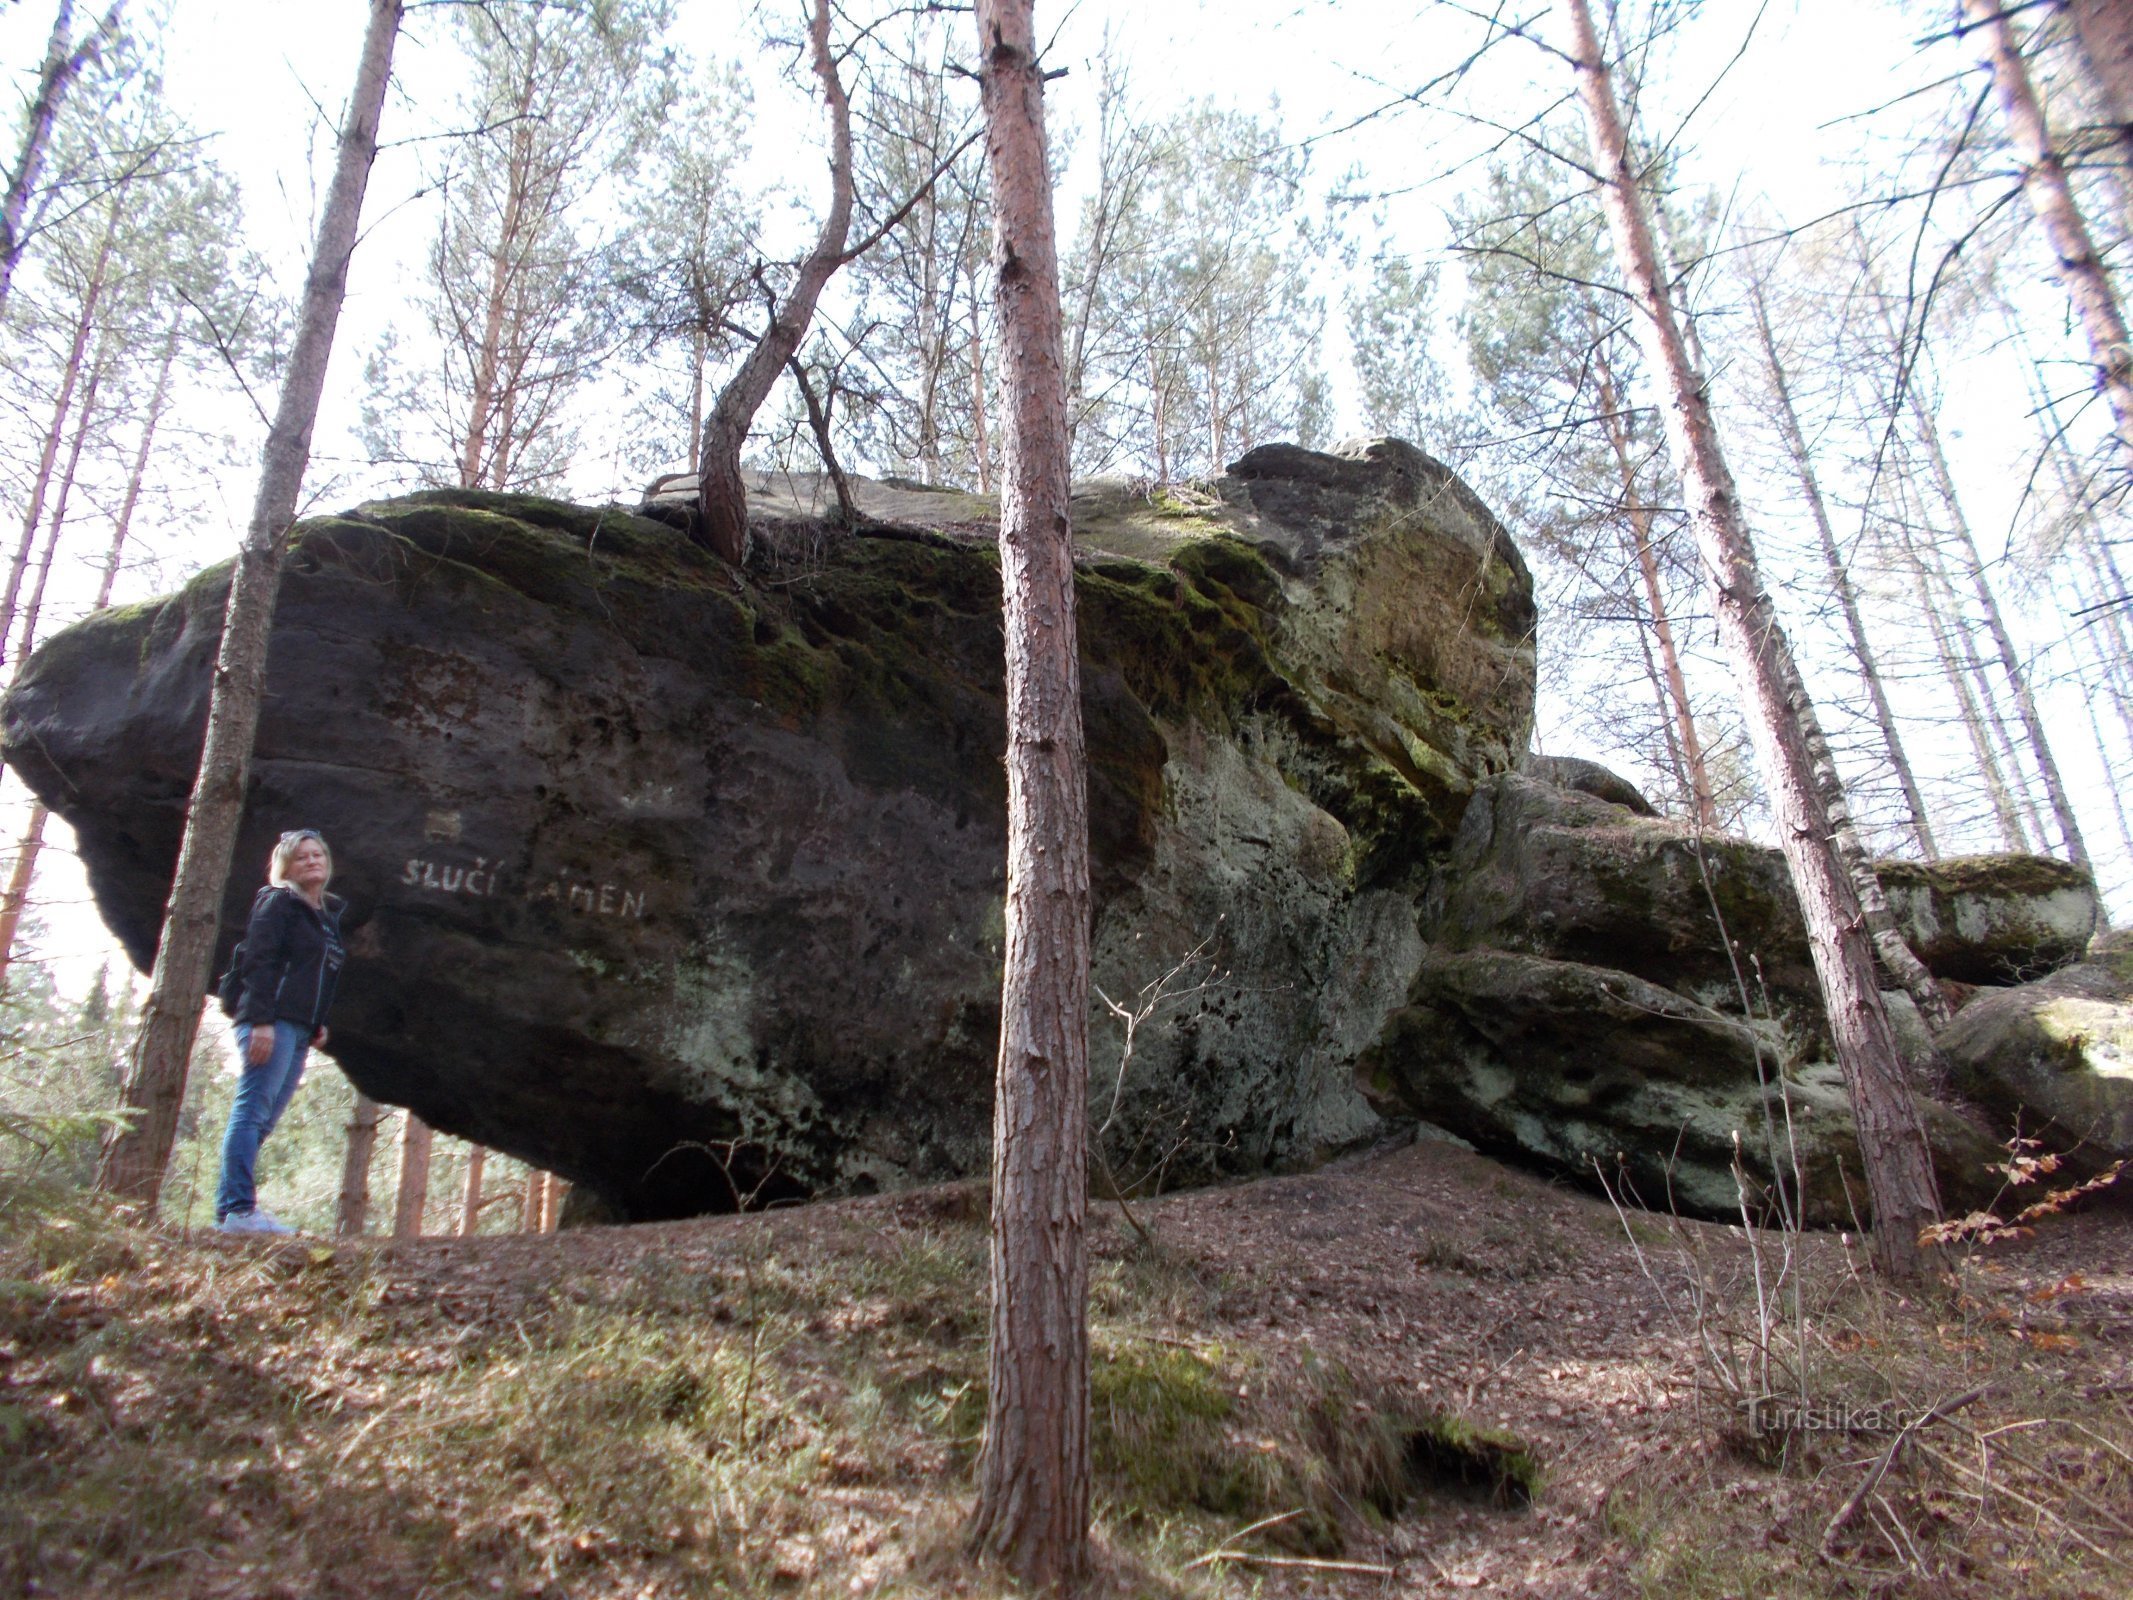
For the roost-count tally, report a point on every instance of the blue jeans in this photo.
(263, 1094)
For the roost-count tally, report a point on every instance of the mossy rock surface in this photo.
(686, 881)
(2056, 1056)
(1596, 1074)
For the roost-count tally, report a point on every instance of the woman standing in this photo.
(288, 965)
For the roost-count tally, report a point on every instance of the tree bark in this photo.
(17, 894)
(1032, 1510)
(470, 1197)
(1686, 739)
(536, 1188)
(2051, 197)
(1892, 1144)
(412, 1196)
(2055, 791)
(56, 431)
(134, 1160)
(1840, 579)
(2104, 30)
(722, 496)
(63, 61)
(353, 1212)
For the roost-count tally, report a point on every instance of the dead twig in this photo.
(1872, 1481)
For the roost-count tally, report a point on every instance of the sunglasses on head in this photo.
(298, 835)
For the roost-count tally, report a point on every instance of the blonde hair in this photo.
(285, 852)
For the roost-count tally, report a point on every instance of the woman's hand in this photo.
(318, 1040)
(259, 1048)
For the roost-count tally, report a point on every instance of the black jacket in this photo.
(291, 959)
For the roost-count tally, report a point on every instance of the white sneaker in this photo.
(253, 1221)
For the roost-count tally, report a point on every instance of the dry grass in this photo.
(1400, 1364)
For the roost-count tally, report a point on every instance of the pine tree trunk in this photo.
(1686, 740)
(979, 441)
(2104, 29)
(722, 494)
(480, 462)
(1892, 1144)
(412, 1196)
(470, 1198)
(2062, 804)
(123, 525)
(17, 893)
(1988, 766)
(63, 61)
(56, 430)
(353, 1213)
(1032, 1510)
(2051, 197)
(33, 608)
(536, 1189)
(1840, 579)
(133, 1161)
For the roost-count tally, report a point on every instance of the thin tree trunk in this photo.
(477, 462)
(1032, 1508)
(1988, 765)
(17, 893)
(2104, 29)
(552, 1191)
(470, 1198)
(722, 495)
(1701, 799)
(63, 62)
(2055, 791)
(18, 890)
(134, 1160)
(56, 430)
(1840, 579)
(818, 423)
(412, 1197)
(977, 396)
(354, 1210)
(536, 1189)
(2118, 804)
(2051, 197)
(34, 607)
(1892, 1143)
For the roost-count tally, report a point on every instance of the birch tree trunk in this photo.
(1892, 1143)
(412, 1196)
(133, 1161)
(1840, 579)
(2051, 197)
(353, 1213)
(722, 496)
(1033, 1475)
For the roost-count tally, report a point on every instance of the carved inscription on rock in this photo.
(565, 890)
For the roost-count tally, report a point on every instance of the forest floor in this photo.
(1411, 1372)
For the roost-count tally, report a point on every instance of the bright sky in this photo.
(252, 73)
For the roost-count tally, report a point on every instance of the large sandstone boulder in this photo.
(1992, 919)
(2056, 1055)
(1570, 868)
(673, 878)
(1594, 1072)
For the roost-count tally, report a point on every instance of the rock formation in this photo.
(685, 882)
